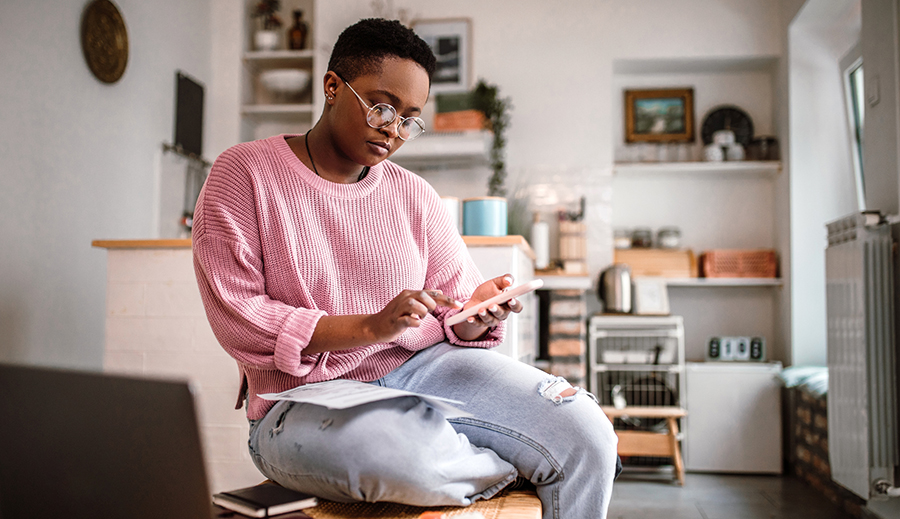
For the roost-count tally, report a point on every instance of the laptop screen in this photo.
(82, 444)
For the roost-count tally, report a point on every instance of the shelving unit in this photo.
(263, 115)
(636, 361)
(445, 150)
(717, 205)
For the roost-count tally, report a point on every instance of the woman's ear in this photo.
(330, 84)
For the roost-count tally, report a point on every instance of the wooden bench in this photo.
(513, 504)
(508, 504)
(647, 443)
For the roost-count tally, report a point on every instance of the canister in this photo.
(484, 216)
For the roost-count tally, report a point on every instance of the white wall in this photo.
(80, 161)
(95, 179)
(821, 179)
(555, 61)
(881, 148)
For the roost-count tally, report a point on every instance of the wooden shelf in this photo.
(741, 168)
(278, 58)
(282, 110)
(724, 282)
(657, 368)
(444, 150)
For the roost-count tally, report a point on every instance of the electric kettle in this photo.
(614, 289)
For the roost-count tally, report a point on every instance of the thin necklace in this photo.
(362, 174)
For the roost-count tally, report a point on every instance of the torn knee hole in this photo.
(557, 390)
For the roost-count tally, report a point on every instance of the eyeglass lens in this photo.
(382, 115)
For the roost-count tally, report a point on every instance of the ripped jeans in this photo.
(525, 423)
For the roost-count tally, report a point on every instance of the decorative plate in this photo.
(104, 40)
(727, 118)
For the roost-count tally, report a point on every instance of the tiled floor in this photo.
(653, 495)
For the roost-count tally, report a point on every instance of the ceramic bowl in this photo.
(284, 83)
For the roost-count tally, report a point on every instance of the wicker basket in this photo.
(736, 263)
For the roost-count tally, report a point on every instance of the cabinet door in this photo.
(734, 418)
(521, 329)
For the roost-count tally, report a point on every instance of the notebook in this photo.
(78, 444)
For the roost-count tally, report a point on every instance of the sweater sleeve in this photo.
(255, 329)
(452, 270)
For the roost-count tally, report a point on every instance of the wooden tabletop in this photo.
(644, 412)
(470, 241)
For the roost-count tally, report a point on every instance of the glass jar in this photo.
(642, 237)
(621, 238)
(668, 238)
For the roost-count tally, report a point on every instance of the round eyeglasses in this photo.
(383, 114)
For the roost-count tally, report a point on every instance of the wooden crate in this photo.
(659, 262)
(740, 263)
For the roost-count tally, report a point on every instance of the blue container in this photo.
(484, 216)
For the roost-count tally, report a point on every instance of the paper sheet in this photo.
(343, 394)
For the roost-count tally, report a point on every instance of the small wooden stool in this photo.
(646, 443)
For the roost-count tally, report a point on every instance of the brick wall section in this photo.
(156, 327)
(567, 342)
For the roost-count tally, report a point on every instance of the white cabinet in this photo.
(511, 255)
(734, 417)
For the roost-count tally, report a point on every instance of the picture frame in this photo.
(451, 41)
(651, 296)
(659, 115)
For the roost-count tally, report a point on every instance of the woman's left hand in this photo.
(477, 326)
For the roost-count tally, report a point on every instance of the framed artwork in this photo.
(450, 39)
(660, 115)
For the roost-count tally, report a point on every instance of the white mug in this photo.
(734, 152)
(713, 153)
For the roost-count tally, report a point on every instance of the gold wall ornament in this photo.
(104, 40)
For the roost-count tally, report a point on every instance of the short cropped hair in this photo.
(362, 48)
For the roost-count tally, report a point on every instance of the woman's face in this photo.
(403, 84)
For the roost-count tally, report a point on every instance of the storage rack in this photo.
(638, 361)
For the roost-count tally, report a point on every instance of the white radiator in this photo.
(862, 383)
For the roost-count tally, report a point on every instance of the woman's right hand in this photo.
(407, 311)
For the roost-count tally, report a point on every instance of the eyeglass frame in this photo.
(417, 120)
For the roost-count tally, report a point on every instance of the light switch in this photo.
(873, 90)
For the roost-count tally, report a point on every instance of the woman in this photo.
(318, 259)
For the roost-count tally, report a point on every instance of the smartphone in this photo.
(498, 299)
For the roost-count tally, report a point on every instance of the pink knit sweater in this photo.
(276, 248)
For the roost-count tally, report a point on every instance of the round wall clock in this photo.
(727, 118)
(104, 40)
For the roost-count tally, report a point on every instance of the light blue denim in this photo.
(404, 451)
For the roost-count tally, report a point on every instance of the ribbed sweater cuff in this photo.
(295, 334)
(493, 338)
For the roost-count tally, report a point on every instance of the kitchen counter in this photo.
(471, 241)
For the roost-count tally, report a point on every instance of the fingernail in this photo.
(470, 320)
(482, 312)
(513, 301)
(508, 279)
(495, 308)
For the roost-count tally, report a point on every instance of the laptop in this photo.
(78, 444)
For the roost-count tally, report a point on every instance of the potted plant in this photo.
(266, 37)
(487, 100)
